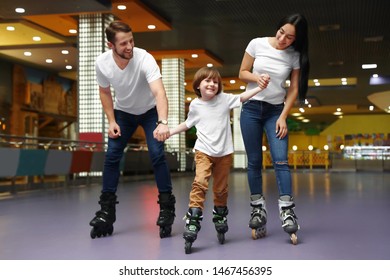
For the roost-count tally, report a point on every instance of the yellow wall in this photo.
(359, 124)
(302, 141)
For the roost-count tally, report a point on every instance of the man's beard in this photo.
(122, 55)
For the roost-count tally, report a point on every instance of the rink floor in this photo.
(343, 216)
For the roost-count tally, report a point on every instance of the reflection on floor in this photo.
(342, 216)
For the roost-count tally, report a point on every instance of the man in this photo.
(140, 99)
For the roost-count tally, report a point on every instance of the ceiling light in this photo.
(232, 81)
(305, 120)
(210, 65)
(20, 10)
(343, 79)
(338, 109)
(337, 113)
(151, 26)
(194, 55)
(371, 108)
(296, 114)
(315, 80)
(317, 84)
(242, 87)
(69, 67)
(10, 28)
(375, 76)
(301, 110)
(65, 52)
(36, 38)
(27, 53)
(49, 60)
(121, 7)
(344, 83)
(72, 31)
(189, 98)
(369, 66)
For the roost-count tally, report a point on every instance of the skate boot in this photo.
(220, 222)
(288, 217)
(167, 213)
(258, 219)
(192, 227)
(102, 224)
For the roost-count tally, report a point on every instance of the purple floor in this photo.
(343, 216)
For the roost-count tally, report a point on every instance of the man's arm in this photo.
(161, 133)
(114, 130)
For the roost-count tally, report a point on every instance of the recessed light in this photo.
(151, 26)
(194, 55)
(36, 38)
(69, 67)
(20, 10)
(242, 87)
(27, 53)
(121, 7)
(369, 66)
(232, 81)
(49, 60)
(65, 52)
(72, 31)
(210, 65)
(10, 28)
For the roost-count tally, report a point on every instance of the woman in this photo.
(282, 57)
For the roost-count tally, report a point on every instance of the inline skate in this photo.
(288, 217)
(192, 227)
(102, 223)
(258, 219)
(167, 213)
(220, 222)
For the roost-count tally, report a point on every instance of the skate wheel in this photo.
(110, 230)
(254, 235)
(93, 234)
(165, 231)
(221, 237)
(259, 233)
(187, 247)
(294, 239)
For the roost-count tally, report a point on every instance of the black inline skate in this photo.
(167, 213)
(192, 227)
(220, 222)
(258, 219)
(102, 223)
(288, 217)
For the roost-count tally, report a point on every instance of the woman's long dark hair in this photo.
(301, 45)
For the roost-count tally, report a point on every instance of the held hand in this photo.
(281, 128)
(263, 80)
(114, 131)
(161, 133)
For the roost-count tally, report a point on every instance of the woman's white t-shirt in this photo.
(278, 64)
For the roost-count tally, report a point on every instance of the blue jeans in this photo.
(128, 124)
(257, 116)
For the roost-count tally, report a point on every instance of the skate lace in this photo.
(288, 216)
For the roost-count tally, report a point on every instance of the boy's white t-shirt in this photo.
(278, 64)
(131, 85)
(212, 121)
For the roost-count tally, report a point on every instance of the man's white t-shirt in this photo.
(278, 64)
(212, 121)
(131, 85)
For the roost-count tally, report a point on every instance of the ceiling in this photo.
(343, 35)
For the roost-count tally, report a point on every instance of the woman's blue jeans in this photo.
(256, 117)
(128, 124)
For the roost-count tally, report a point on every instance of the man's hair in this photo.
(115, 27)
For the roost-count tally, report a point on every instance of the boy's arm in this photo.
(180, 128)
(250, 93)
